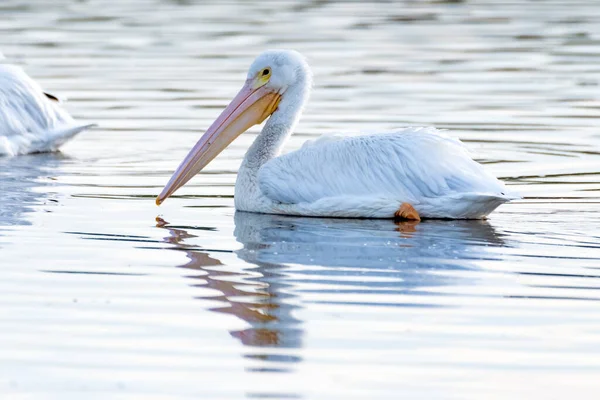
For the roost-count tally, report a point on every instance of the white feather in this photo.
(29, 121)
(372, 175)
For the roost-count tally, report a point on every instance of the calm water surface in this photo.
(100, 299)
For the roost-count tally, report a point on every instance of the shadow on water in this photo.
(291, 257)
(19, 176)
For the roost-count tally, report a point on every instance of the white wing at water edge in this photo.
(31, 121)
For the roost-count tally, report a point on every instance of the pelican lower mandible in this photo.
(410, 173)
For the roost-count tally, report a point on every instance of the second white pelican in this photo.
(31, 120)
(409, 173)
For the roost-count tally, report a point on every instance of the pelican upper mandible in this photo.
(408, 173)
(31, 120)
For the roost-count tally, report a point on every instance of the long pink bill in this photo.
(249, 107)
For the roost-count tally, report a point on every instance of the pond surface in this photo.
(105, 296)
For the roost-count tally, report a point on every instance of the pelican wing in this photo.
(411, 165)
(29, 121)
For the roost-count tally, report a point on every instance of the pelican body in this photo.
(408, 173)
(31, 121)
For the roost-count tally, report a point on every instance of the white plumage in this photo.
(368, 176)
(372, 175)
(31, 121)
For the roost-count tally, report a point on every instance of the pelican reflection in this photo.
(257, 295)
(363, 256)
(341, 256)
(19, 177)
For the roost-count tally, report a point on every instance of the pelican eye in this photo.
(266, 72)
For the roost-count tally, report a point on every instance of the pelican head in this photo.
(269, 88)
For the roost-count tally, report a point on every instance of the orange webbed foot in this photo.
(407, 212)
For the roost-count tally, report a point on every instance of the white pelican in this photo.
(31, 120)
(409, 173)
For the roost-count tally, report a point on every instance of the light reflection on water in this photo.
(100, 299)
